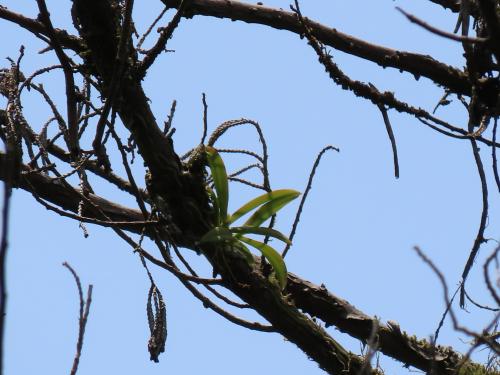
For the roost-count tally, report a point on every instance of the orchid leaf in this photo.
(260, 230)
(217, 234)
(273, 257)
(260, 200)
(270, 208)
(219, 176)
(213, 199)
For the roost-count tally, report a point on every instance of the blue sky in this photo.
(358, 227)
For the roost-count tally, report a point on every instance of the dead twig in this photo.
(444, 34)
(482, 225)
(83, 316)
(304, 196)
(487, 280)
(390, 133)
(7, 193)
(494, 155)
(150, 28)
(161, 43)
(205, 119)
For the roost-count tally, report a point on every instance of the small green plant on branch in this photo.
(265, 206)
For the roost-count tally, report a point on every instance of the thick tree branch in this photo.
(392, 341)
(54, 191)
(183, 193)
(416, 64)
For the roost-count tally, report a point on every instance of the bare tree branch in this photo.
(416, 64)
(444, 34)
(83, 316)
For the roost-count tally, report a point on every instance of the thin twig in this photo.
(60, 120)
(168, 123)
(478, 305)
(479, 337)
(207, 303)
(174, 270)
(205, 119)
(161, 43)
(304, 196)
(248, 183)
(135, 188)
(150, 28)
(390, 133)
(494, 154)
(482, 225)
(245, 152)
(443, 317)
(244, 169)
(82, 319)
(104, 223)
(28, 81)
(444, 34)
(7, 193)
(444, 285)
(211, 290)
(487, 280)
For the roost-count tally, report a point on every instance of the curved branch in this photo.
(416, 64)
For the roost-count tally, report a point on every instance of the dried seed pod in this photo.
(157, 320)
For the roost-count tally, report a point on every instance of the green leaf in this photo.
(254, 203)
(270, 208)
(219, 176)
(217, 234)
(273, 257)
(260, 230)
(222, 234)
(213, 199)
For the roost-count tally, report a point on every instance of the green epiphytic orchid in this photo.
(265, 206)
